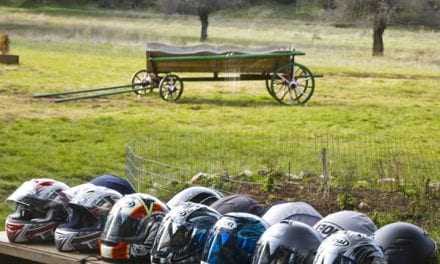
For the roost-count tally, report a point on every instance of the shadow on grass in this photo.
(241, 102)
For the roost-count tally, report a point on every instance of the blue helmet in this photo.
(114, 182)
(182, 234)
(233, 239)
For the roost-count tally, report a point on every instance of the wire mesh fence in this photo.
(284, 167)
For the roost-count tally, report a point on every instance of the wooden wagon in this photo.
(286, 80)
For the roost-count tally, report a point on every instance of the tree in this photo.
(382, 9)
(201, 8)
(379, 12)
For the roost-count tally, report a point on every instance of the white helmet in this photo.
(88, 212)
(38, 211)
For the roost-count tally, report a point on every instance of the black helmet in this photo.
(131, 227)
(406, 243)
(183, 233)
(345, 220)
(298, 211)
(238, 203)
(288, 242)
(233, 239)
(196, 194)
(348, 247)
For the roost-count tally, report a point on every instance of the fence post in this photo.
(325, 172)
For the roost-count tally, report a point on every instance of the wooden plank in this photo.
(223, 66)
(243, 77)
(43, 253)
(9, 59)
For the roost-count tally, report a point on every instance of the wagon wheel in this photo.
(143, 82)
(267, 80)
(292, 84)
(171, 87)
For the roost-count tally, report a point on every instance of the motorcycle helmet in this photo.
(405, 243)
(183, 233)
(233, 239)
(298, 211)
(196, 194)
(131, 227)
(38, 211)
(288, 242)
(114, 182)
(88, 212)
(238, 203)
(345, 220)
(348, 247)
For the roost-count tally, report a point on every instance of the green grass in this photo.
(396, 96)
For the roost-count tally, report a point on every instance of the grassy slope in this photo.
(395, 96)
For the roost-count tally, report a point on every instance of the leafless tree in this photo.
(382, 10)
(201, 8)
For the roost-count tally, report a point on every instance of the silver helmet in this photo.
(348, 247)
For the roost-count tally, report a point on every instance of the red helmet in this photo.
(38, 211)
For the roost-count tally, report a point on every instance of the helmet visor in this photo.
(81, 219)
(225, 246)
(335, 258)
(273, 253)
(122, 227)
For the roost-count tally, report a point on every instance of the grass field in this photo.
(396, 96)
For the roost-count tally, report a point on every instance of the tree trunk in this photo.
(205, 22)
(379, 26)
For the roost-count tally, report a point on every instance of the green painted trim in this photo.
(227, 56)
